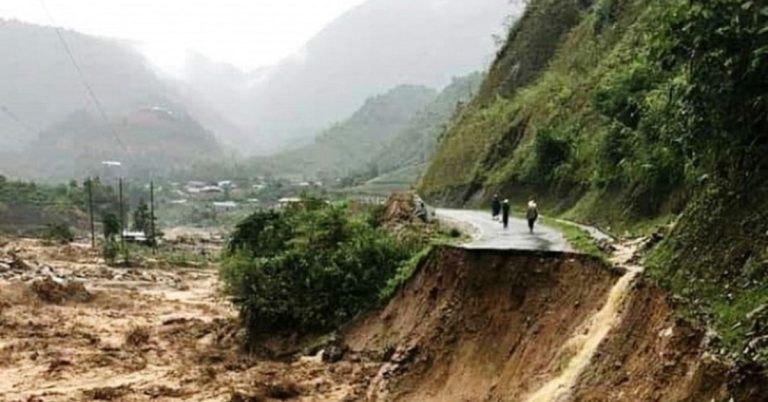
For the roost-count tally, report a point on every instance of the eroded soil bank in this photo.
(471, 325)
(482, 325)
(154, 332)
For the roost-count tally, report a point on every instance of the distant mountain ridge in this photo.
(349, 146)
(44, 104)
(372, 48)
(41, 87)
(152, 141)
(415, 144)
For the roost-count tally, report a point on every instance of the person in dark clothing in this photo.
(422, 212)
(505, 213)
(532, 214)
(495, 207)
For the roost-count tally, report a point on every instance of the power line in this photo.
(83, 80)
(18, 120)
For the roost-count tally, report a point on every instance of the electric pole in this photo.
(152, 214)
(122, 214)
(90, 212)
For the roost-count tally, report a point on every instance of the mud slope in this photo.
(651, 355)
(477, 325)
(473, 323)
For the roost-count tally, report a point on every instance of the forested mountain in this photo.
(367, 51)
(395, 130)
(349, 146)
(40, 88)
(147, 141)
(414, 145)
(630, 112)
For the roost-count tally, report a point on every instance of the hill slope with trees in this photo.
(349, 146)
(627, 113)
(367, 51)
(414, 145)
(147, 141)
(42, 92)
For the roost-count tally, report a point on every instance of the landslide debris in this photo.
(400, 208)
(468, 325)
(480, 324)
(50, 290)
(498, 325)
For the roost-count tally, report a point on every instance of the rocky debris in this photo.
(400, 208)
(241, 397)
(50, 290)
(281, 390)
(137, 337)
(107, 393)
(757, 347)
(159, 391)
(606, 246)
(16, 269)
(333, 354)
(17, 264)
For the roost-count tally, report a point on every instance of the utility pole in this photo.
(122, 214)
(152, 214)
(90, 212)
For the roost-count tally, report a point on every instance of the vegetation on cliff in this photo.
(311, 267)
(628, 113)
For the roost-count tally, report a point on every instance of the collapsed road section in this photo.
(510, 325)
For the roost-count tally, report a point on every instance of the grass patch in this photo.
(577, 237)
(404, 273)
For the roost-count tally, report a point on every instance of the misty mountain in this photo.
(416, 143)
(151, 141)
(226, 91)
(40, 87)
(348, 147)
(370, 49)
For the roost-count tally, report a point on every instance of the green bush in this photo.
(404, 272)
(110, 250)
(59, 232)
(309, 268)
(550, 157)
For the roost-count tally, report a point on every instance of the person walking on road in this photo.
(495, 207)
(505, 213)
(532, 215)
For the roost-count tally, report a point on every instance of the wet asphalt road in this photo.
(489, 234)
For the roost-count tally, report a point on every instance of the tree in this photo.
(111, 226)
(142, 221)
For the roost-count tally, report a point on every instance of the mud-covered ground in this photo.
(73, 329)
(470, 325)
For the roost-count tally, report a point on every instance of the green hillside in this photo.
(155, 142)
(348, 147)
(629, 112)
(416, 143)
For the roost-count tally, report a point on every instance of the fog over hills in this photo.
(378, 45)
(40, 86)
(371, 49)
(367, 51)
(47, 115)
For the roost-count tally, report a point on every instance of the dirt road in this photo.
(489, 234)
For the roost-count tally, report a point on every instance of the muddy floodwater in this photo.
(154, 332)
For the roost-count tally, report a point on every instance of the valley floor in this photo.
(134, 334)
(471, 324)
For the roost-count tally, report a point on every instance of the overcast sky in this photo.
(246, 33)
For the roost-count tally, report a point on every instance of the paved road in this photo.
(489, 234)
